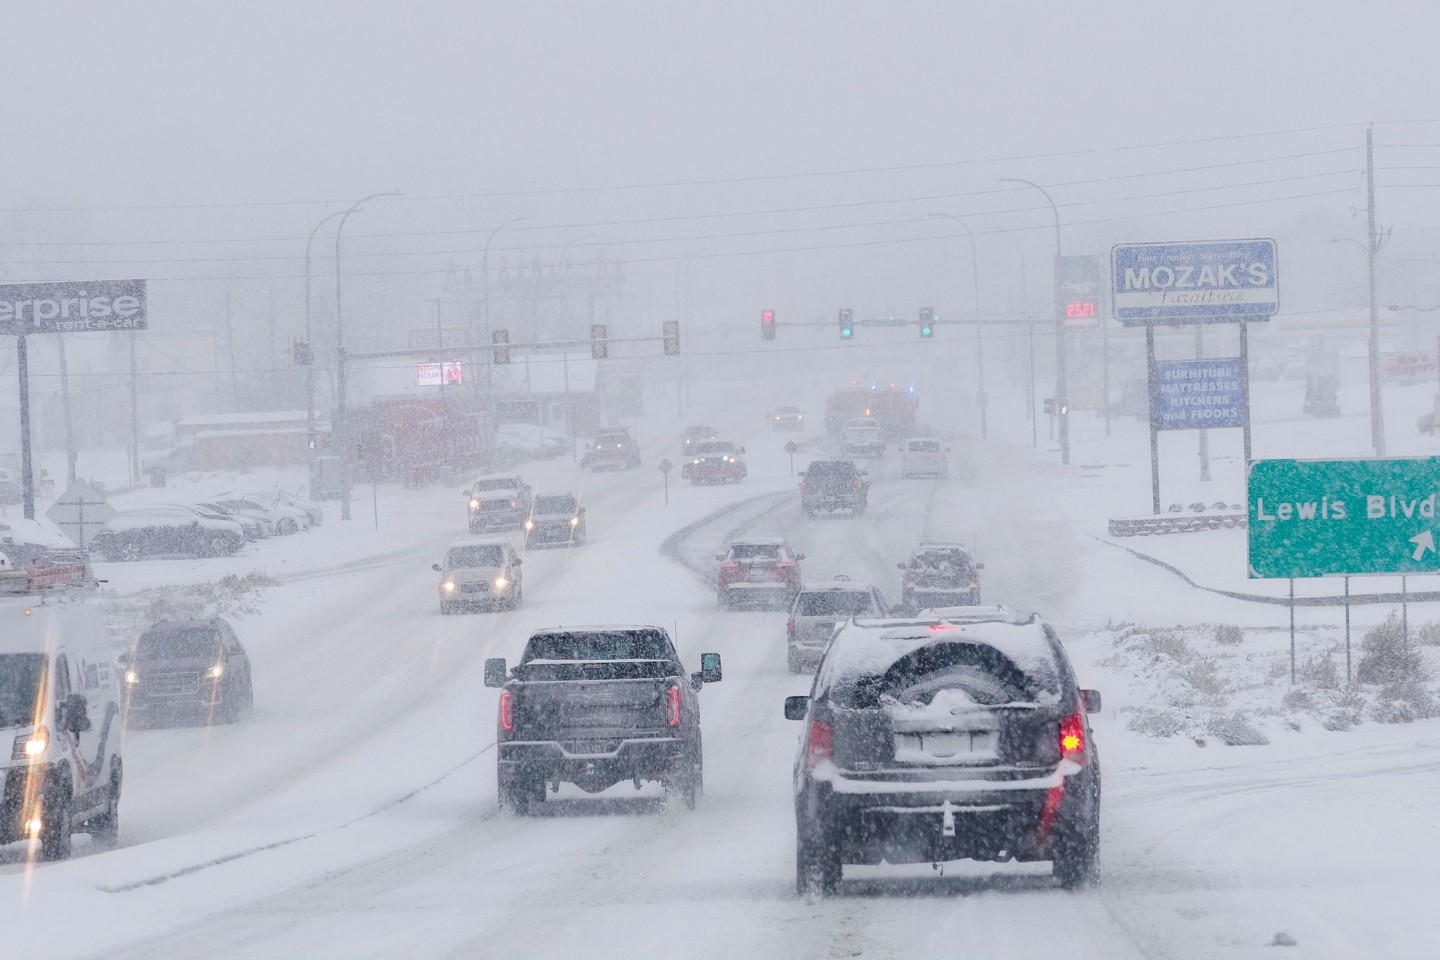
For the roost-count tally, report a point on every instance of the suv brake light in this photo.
(672, 706)
(790, 627)
(1072, 738)
(507, 710)
(819, 743)
(855, 484)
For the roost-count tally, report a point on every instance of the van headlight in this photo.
(448, 586)
(131, 677)
(215, 672)
(501, 583)
(574, 521)
(529, 524)
(474, 504)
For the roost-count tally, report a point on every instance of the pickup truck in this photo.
(595, 706)
(830, 485)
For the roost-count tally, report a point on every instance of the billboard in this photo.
(1198, 394)
(445, 374)
(72, 306)
(1212, 281)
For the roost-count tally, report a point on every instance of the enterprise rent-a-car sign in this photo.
(1218, 281)
(69, 306)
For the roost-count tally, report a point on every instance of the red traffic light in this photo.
(767, 324)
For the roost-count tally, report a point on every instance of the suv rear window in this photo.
(183, 644)
(598, 645)
(923, 446)
(941, 561)
(834, 603)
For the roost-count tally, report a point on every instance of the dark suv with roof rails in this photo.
(928, 740)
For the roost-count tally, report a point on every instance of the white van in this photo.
(924, 457)
(60, 715)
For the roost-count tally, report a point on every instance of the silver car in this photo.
(815, 611)
(480, 573)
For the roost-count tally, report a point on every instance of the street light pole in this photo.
(340, 429)
(310, 438)
(1061, 384)
(981, 400)
(1029, 337)
(1377, 241)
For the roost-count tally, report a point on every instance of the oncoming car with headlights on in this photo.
(480, 573)
(555, 519)
(715, 461)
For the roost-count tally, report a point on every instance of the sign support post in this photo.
(1154, 424)
(27, 471)
(1245, 386)
(1347, 633)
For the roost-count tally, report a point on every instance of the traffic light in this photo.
(927, 323)
(671, 330)
(501, 341)
(767, 324)
(599, 347)
(847, 323)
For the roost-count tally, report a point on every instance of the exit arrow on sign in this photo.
(1423, 541)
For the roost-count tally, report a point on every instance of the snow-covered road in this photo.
(355, 814)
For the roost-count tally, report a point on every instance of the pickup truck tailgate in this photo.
(586, 709)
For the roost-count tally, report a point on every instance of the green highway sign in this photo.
(1318, 518)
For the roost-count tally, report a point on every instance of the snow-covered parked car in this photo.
(253, 529)
(314, 512)
(278, 518)
(930, 740)
(166, 531)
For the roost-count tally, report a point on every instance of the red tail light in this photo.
(672, 706)
(507, 710)
(819, 743)
(790, 627)
(804, 485)
(1072, 738)
(855, 484)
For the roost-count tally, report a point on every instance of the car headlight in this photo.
(697, 460)
(131, 677)
(529, 524)
(215, 672)
(574, 521)
(474, 504)
(30, 746)
(448, 586)
(501, 583)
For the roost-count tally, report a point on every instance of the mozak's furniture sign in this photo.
(72, 306)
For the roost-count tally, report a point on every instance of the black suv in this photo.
(830, 485)
(936, 740)
(187, 669)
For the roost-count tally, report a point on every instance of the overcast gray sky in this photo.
(144, 104)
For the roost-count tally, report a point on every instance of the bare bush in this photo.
(1228, 635)
(1387, 658)
(1427, 634)
(1236, 731)
(1150, 722)
(1320, 673)
(1203, 673)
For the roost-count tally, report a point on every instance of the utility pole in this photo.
(230, 347)
(70, 455)
(1204, 434)
(1376, 241)
(27, 470)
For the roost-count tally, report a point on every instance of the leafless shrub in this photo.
(1297, 698)
(1386, 657)
(1228, 635)
(1203, 673)
(1427, 634)
(1236, 731)
(1152, 722)
(1320, 673)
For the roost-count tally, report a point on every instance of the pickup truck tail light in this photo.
(672, 706)
(507, 710)
(790, 628)
(819, 743)
(804, 485)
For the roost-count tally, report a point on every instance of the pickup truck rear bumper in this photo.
(595, 764)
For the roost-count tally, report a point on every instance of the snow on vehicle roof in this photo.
(870, 647)
(479, 542)
(597, 628)
(41, 532)
(759, 542)
(497, 478)
(926, 547)
(839, 583)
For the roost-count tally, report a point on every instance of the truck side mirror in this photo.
(435, 567)
(799, 556)
(902, 566)
(73, 718)
(796, 707)
(979, 566)
(710, 668)
(720, 557)
(1091, 700)
(495, 672)
(742, 449)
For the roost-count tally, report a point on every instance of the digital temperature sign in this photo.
(1080, 310)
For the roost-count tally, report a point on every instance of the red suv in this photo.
(761, 572)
